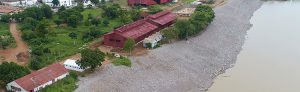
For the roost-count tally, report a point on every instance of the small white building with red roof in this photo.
(39, 79)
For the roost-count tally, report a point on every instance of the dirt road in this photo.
(21, 50)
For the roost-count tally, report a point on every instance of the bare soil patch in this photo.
(20, 54)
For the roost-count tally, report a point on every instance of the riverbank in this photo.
(184, 66)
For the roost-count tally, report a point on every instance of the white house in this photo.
(66, 3)
(39, 79)
(152, 40)
(71, 65)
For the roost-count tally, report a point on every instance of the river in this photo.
(270, 59)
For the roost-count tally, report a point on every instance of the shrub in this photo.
(122, 61)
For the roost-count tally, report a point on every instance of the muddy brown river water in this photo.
(270, 59)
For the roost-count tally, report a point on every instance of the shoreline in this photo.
(183, 66)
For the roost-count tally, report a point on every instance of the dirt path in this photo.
(19, 54)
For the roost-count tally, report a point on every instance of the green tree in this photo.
(70, 12)
(29, 23)
(112, 11)
(46, 9)
(103, 1)
(5, 18)
(95, 2)
(33, 12)
(125, 17)
(58, 22)
(55, 2)
(90, 16)
(18, 17)
(95, 21)
(129, 45)
(4, 43)
(135, 13)
(61, 8)
(73, 35)
(154, 9)
(91, 58)
(43, 27)
(93, 32)
(10, 71)
(106, 23)
(35, 62)
(183, 28)
(170, 34)
(73, 21)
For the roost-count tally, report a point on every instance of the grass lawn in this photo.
(4, 30)
(95, 13)
(121, 61)
(5, 35)
(122, 3)
(67, 84)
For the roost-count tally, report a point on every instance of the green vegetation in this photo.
(6, 39)
(154, 9)
(67, 84)
(188, 1)
(5, 18)
(129, 45)
(55, 2)
(10, 71)
(201, 18)
(91, 58)
(53, 36)
(121, 61)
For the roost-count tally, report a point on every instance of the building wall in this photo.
(9, 88)
(165, 1)
(50, 82)
(75, 68)
(114, 40)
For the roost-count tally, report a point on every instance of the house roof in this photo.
(42, 76)
(136, 29)
(7, 9)
(146, 2)
(163, 18)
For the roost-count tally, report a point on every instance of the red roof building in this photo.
(163, 19)
(8, 9)
(139, 30)
(147, 2)
(38, 79)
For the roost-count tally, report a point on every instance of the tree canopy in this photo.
(55, 2)
(111, 11)
(5, 18)
(91, 58)
(129, 45)
(200, 19)
(10, 71)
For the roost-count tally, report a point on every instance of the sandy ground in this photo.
(11, 53)
(184, 66)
